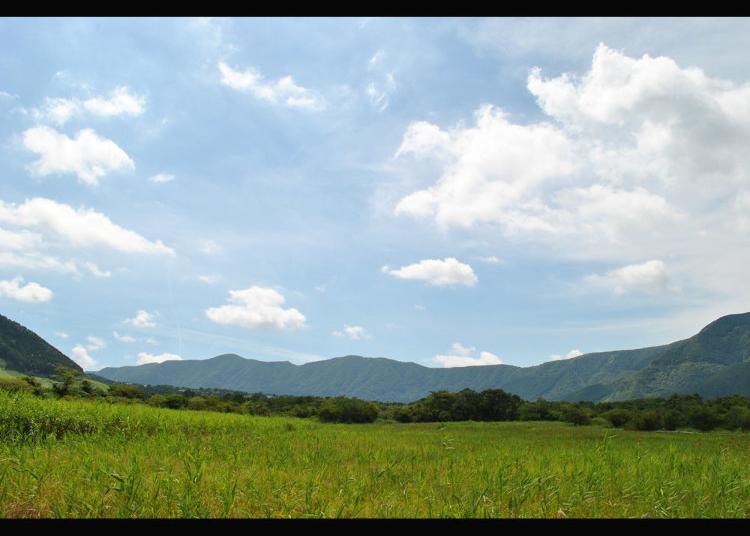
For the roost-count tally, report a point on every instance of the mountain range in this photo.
(714, 362)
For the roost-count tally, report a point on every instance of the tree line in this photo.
(675, 412)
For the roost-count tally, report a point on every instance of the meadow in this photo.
(81, 458)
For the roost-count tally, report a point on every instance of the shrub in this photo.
(704, 418)
(349, 410)
(575, 415)
(646, 421)
(672, 420)
(14, 385)
(127, 391)
(618, 417)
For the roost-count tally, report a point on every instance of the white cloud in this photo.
(145, 358)
(62, 334)
(96, 271)
(142, 319)
(57, 110)
(651, 276)
(30, 292)
(569, 355)
(123, 338)
(635, 158)
(79, 227)
(461, 357)
(492, 170)
(161, 178)
(380, 92)
(87, 155)
(210, 279)
(376, 58)
(119, 102)
(382, 85)
(82, 357)
(492, 259)
(448, 271)
(211, 247)
(354, 333)
(284, 90)
(95, 343)
(256, 307)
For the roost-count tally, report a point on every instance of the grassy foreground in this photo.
(76, 458)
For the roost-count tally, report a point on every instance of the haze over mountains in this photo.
(714, 362)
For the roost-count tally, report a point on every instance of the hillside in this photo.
(714, 362)
(22, 350)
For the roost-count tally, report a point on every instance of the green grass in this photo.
(73, 458)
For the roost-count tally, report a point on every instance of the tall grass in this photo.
(94, 459)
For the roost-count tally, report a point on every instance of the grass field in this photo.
(69, 458)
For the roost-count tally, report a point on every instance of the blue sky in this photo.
(444, 191)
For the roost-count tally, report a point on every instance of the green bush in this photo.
(348, 410)
(646, 421)
(575, 415)
(127, 391)
(618, 417)
(704, 418)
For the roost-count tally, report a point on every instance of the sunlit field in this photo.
(71, 458)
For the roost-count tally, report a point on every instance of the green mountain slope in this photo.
(714, 362)
(22, 350)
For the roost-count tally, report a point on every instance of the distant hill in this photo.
(22, 350)
(714, 362)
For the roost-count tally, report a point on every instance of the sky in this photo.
(451, 192)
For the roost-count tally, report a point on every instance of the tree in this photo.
(703, 418)
(349, 410)
(574, 414)
(66, 378)
(617, 417)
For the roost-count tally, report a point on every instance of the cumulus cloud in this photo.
(569, 355)
(87, 156)
(461, 356)
(650, 276)
(492, 169)
(634, 157)
(445, 272)
(354, 333)
(145, 358)
(30, 292)
(284, 90)
(83, 358)
(143, 319)
(120, 101)
(80, 227)
(257, 307)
